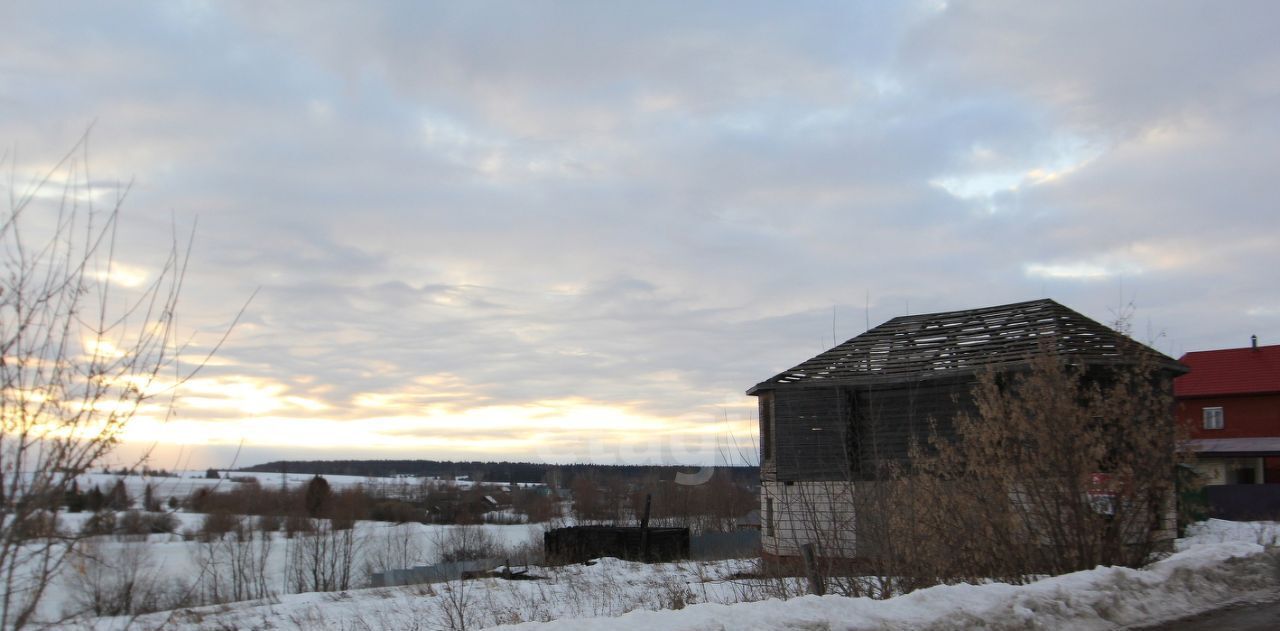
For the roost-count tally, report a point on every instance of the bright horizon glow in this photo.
(556, 430)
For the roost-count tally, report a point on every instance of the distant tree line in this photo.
(525, 472)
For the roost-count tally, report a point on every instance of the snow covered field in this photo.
(1219, 562)
(172, 563)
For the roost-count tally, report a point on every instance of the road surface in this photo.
(1263, 616)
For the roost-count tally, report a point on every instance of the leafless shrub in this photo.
(117, 579)
(397, 511)
(139, 524)
(536, 506)
(392, 548)
(323, 560)
(672, 592)
(1061, 469)
(269, 523)
(81, 356)
(298, 523)
(233, 564)
(100, 523)
(216, 524)
(36, 526)
(465, 543)
(455, 606)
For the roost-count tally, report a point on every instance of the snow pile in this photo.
(1197, 579)
(1265, 533)
(1220, 563)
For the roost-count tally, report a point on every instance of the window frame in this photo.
(1212, 417)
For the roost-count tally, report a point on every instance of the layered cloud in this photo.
(455, 212)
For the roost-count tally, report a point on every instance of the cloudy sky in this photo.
(575, 231)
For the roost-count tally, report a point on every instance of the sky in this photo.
(579, 231)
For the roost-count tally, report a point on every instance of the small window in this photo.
(1213, 418)
(768, 516)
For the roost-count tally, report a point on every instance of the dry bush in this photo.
(234, 565)
(100, 523)
(131, 523)
(536, 506)
(244, 499)
(713, 506)
(137, 523)
(323, 560)
(392, 548)
(397, 511)
(298, 524)
(35, 526)
(1060, 469)
(119, 580)
(218, 523)
(269, 523)
(352, 503)
(465, 543)
(455, 607)
(348, 505)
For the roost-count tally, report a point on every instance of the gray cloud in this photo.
(660, 205)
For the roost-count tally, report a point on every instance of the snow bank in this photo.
(1201, 578)
(1219, 563)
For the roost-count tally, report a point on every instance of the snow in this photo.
(171, 561)
(1202, 577)
(1218, 563)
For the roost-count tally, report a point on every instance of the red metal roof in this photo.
(1230, 371)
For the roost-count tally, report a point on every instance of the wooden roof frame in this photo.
(952, 343)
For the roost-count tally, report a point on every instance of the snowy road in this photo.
(1263, 616)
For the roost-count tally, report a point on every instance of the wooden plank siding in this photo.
(852, 432)
(811, 435)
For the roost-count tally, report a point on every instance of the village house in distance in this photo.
(846, 416)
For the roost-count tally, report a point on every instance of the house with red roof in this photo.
(1230, 402)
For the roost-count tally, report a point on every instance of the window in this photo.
(1213, 418)
(768, 516)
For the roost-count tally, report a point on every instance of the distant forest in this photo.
(490, 471)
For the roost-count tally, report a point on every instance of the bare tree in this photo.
(118, 579)
(233, 564)
(393, 547)
(79, 358)
(323, 560)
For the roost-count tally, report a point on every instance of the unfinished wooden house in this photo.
(845, 415)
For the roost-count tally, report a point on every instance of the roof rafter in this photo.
(937, 345)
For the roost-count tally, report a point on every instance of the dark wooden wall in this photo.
(577, 544)
(842, 432)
